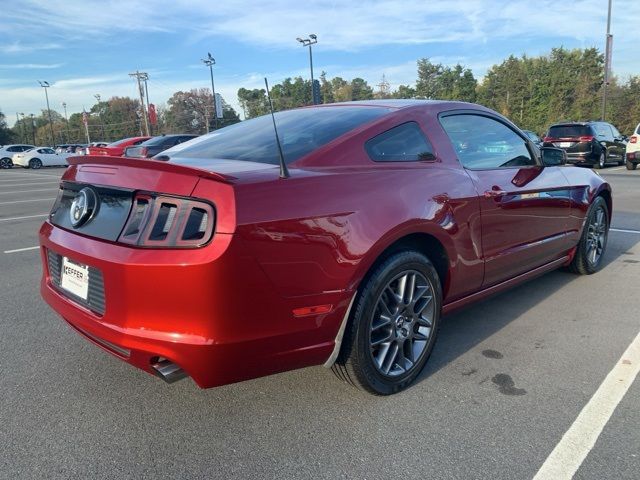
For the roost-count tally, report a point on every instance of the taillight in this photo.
(633, 139)
(168, 222)
(548, 139)
(585, 138)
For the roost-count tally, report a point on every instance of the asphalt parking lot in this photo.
(508, 377)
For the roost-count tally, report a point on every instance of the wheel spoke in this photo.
(390, 356)
(385, 339)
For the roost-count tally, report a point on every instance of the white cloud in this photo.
(30, 66)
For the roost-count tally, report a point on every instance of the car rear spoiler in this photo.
(148, 164)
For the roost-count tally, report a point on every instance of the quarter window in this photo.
(404, 143)
(484, 143)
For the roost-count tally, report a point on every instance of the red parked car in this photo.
(217, 265)
(116, 149)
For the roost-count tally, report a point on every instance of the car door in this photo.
(620, 144)
(524, 206)
(48, 156)
(604, 135)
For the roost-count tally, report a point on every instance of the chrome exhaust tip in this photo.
(168, 371)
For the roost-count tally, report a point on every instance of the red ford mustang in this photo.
(116, 149)
(209, 263)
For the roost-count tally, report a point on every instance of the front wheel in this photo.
(592, 245)
(5, 163)
(631, 165)
(35, 163)
(393, 325)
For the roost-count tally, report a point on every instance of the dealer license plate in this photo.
(75, 278)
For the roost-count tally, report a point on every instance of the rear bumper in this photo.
(583, 158)
(211, 311)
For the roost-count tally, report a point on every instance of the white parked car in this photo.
(8, 151)
(633, 150)
(40, 157)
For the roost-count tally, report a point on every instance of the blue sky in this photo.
(86, 47)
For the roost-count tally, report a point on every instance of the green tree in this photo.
(192, 112)
(6, 135)
(253, 102)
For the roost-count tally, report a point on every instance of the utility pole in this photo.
(142, 76)
(66, 121)
(307, 42)
(45, 85)
(146, 94)
(607, 63)
(210, 62)
(97, 97)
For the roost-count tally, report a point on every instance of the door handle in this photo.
(495, 192)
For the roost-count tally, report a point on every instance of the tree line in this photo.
(533, 92)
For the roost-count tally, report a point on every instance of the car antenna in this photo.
(284, 172)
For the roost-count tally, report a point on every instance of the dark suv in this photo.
(588, 143)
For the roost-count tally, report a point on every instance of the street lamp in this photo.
(45, 85)
(307, 42)
(210, 62)
(66, 121)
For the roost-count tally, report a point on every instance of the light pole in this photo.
(210, 62)
(66, 121)
(24, 129)
(97, 97)
(307, 42)
(607, 63)
(45, 85)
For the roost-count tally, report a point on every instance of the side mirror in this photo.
(553, 157)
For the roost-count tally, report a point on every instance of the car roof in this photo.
(396, 103)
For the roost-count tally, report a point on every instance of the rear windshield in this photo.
(301, 132)
(563, 131)
(156, 141)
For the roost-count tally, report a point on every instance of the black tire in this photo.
(35, 163)
(6, 163)
(582, 262)
(631, 165)
(356, 363)
(602, 161)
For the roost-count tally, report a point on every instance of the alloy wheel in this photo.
(596, 236)
(5, 163)
(402, 323)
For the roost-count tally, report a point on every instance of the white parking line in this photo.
(21, 249)
(27, 201)
(22, 218)
(29, 184)
(577, 442)
(622, 230)
(27, 191)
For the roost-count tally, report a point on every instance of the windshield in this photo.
(564, 131)
(301, 132)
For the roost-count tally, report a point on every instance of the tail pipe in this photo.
(167, 370)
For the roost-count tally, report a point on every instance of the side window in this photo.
(49, 151)
(13, 149)
(484, 143)
(404, 143)
(603, 131)
(615, 131)
(41, 150)
(138, 142)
